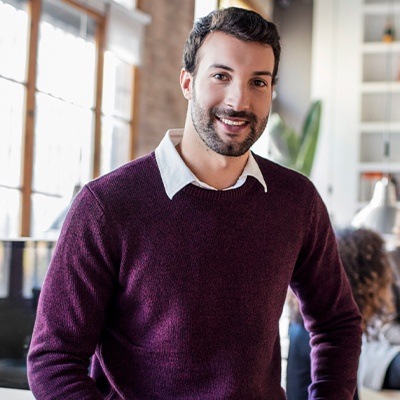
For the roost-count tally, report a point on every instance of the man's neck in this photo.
(213, 169)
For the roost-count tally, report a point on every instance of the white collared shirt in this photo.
(176, 174)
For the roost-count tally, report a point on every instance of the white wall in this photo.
(203, 7)
(293, 89)
(321, 60)
(336, 80)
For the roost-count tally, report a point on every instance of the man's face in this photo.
(231, 93)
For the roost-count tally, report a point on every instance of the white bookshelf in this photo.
(357, 76)
(379, 95)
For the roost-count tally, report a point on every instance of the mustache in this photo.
(221, 113)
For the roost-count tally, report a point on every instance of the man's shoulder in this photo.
(127, 182)
(140, 169)
(278, 174)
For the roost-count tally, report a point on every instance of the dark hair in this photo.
(242, 24)
(367, 266)
(368, 269)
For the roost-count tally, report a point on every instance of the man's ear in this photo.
(186, 79)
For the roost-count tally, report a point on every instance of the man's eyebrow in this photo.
(220, 66)
(268, 73)
(226, 68)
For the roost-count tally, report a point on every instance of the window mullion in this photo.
(27, 170)
(100, 32)
(135, 112)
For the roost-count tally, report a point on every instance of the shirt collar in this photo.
(175, 174)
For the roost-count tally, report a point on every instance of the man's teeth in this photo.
(230, 122)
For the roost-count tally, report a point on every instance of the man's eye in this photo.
(259, 83)
(220, 77)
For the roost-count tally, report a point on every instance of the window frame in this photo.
(27, 156)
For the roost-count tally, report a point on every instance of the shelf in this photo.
(380, 127)
(380, 107)
(381, 8)
(393, 168)
(380, 87)
(362, 204)
(380, 47)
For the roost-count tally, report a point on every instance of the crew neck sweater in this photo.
(181, 299)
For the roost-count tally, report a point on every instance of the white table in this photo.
(15, 394)
(368, 394)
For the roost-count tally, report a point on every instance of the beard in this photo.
(204, 124)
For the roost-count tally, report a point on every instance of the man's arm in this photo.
(329, 310)
(72, 306)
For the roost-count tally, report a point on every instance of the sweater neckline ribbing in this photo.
(223, 195)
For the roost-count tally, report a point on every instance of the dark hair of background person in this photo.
(245, 25)
(368, 269)
(367, 265)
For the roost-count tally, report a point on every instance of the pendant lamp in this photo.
(382, 213)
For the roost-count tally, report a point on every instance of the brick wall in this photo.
(161, 103)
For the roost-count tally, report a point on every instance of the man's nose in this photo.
(238, 96)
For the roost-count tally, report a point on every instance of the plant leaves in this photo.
(309, 138)
(284, 139)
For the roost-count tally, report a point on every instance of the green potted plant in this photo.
(295, 150)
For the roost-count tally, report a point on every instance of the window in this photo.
(64, 117)
(117, 106)
(65, 110)
(13, 62)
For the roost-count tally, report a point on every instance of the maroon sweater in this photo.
(181, 299)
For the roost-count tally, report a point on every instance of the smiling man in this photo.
(171, 272)
(230, 93)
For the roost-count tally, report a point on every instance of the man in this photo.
(171, 272)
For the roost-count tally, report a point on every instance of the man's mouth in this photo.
(232, 122)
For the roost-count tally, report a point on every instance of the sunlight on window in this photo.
(114, 143)
(109, 81)
(13, 42)
(61, 157)
(45, 210)
(10, 206)
(63, 147)
(66, 66)
(63, 135)
(129, 4)
(61, 131)
(117, 88)
(117, 110)
(11, 129)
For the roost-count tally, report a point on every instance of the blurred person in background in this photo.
(367, 265)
